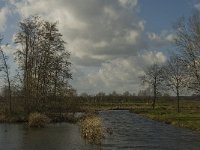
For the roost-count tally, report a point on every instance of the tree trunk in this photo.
(10, 96)
(6, 70)
(155, 94)
(178, 99)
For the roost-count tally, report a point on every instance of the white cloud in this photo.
(120, 74)
(128, 3)
(110, 12)
(3, 18)
(132, 37)
(8, 50)
(197, 6)
(51, 10)
(152, 36)
(162, 39)
(91, 27)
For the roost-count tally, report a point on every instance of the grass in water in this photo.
(92, 129)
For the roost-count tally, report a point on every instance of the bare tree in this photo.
(29, 40)
(43, 60)
(153, 77)
(188, 42)
(175, 76)
(5, 69)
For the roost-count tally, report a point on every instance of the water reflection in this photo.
(55, 137)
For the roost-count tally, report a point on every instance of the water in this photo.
(62, 136)
(130, 131)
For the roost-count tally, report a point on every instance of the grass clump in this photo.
(92, 129)
(37, 120)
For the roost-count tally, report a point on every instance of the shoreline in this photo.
(165, 112)
(180, 120)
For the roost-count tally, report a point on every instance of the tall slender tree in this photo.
(153, 77)
(175, 77)
(5, 69)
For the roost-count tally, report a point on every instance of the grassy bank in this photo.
(166, 112)
(94, 107)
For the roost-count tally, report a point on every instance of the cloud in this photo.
(128, 3)
(91, 27)
(105, 39)
(197, 6)
(160, 40)
(9, 50)
(3, 18)
(120, 74)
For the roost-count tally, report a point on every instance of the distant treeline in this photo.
(130, 99)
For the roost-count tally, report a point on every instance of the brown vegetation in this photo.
(92, 129)
(37, 120)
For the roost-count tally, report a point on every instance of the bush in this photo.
(37, 120)
(92, 129)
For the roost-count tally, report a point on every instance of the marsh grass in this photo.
(92, 129)
(38, 120)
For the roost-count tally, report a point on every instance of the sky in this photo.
(111, 41)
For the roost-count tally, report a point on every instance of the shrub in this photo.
(92, 129)
(37, 120)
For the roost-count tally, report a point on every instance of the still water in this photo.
(130, 131)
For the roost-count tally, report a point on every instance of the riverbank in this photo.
(95, 107)
(54, 117)
(166, 112)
